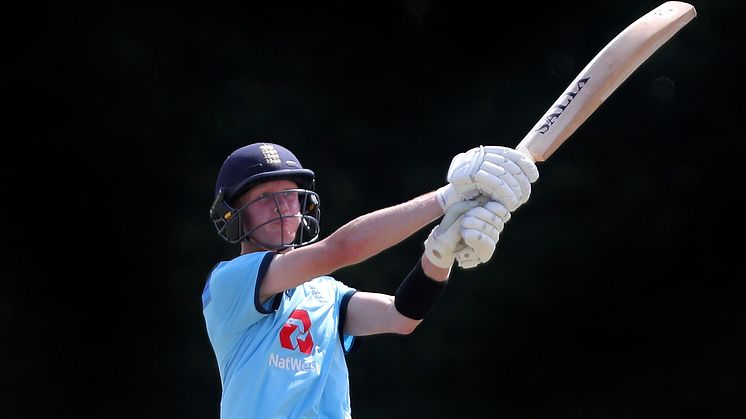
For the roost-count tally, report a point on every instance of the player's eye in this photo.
(263, 199)
(289, 195)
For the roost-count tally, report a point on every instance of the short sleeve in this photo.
(231, 295)
(349, 343)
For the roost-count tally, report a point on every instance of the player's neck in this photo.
(251, 247)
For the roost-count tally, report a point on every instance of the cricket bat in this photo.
(602, 75)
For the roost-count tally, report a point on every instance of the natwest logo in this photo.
(296, 333)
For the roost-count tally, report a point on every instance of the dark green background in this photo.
(617, 291)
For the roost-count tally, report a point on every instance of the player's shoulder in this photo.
(239, 263)
(328, 286)
(320, 282)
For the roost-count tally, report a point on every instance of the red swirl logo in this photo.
(296, 333)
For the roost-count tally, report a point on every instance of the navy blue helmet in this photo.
(249, 166)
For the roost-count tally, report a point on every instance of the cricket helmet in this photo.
(249, 166)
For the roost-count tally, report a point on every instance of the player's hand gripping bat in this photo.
(603, 74)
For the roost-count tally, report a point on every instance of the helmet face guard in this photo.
(249, 166)
(231, 223)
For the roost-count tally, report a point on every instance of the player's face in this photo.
(273, 212)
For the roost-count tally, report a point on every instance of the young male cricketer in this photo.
(279, 325)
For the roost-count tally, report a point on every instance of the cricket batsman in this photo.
(280, 324)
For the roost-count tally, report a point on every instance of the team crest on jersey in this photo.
(317, 295)
(296, 333)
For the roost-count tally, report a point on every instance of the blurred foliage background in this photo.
(615, 292)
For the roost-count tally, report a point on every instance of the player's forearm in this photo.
(352, 243)
(372, 233)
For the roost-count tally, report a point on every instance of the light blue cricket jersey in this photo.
(284, 359)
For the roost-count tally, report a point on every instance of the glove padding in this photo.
(445, 238)
(501, 173)
(481, 228)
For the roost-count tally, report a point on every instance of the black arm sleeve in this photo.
(418, 293)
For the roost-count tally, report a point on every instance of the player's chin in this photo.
(282, 233)
(288, 234)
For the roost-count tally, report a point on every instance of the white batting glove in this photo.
(481, 228)
(501, 173)
(445, 238)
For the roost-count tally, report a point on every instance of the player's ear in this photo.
(244, 215)
(246, 218)
(224, 217)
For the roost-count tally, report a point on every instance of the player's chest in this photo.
(306, 321)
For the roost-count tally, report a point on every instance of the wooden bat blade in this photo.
(603, 74)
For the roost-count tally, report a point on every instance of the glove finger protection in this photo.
(504, 174)
(473, 225)
(498, 161)
(482, 244)
(481, 227)
(461, 186)
(481, 236)
(445, 238)
(467, 258)
(518, 181)
(526, 163)
(462, 169)
(491, 212)
(469, 175)
(499, 185)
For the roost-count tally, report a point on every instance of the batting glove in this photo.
(481, 228)
(500, 173)
(445, 238)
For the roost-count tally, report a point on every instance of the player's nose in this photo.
(288, 204)
(283, 206)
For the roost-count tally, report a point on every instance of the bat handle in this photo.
(526, 152)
